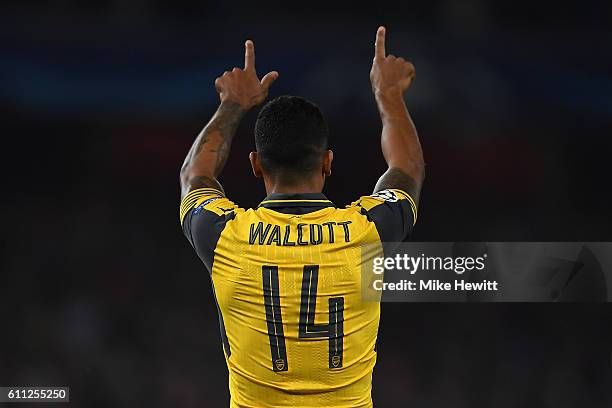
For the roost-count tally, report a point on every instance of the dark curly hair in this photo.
(291, 136)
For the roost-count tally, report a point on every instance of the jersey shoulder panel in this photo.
(393, 211)
(208, 199)
(203, 214)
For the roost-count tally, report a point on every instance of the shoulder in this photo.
(388, 197)
(204, 201)
(393, 211)
(204, 214)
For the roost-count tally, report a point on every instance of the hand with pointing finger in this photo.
(242, 86)
(389, 73)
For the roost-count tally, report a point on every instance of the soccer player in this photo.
(286, 275)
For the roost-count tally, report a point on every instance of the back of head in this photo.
(291, 136)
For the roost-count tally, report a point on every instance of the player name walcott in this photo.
(300, 234)
(436, 285)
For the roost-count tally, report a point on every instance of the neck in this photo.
(303, 186)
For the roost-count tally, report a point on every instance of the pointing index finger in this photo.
(249, 55)
(379, 45)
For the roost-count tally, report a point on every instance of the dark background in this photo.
(100, 101)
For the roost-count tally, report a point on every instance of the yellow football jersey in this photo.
(286, 278)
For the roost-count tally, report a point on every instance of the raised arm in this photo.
(391, 77)
(239, 91)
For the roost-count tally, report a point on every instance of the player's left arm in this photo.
(393, 206)
(239, 90)
(391, 77)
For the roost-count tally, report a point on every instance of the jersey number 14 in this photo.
(307, 329)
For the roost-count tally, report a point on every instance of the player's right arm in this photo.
(204, 208)
(239, 91)
(391, 76)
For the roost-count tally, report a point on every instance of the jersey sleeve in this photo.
(393, 211)
(203, 215)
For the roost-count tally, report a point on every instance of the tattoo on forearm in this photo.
(225, 122)
(215, 140)
(222, 155)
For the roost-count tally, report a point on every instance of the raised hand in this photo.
(389, 73)
(242, 86)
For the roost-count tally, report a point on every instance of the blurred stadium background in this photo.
(100, 101)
